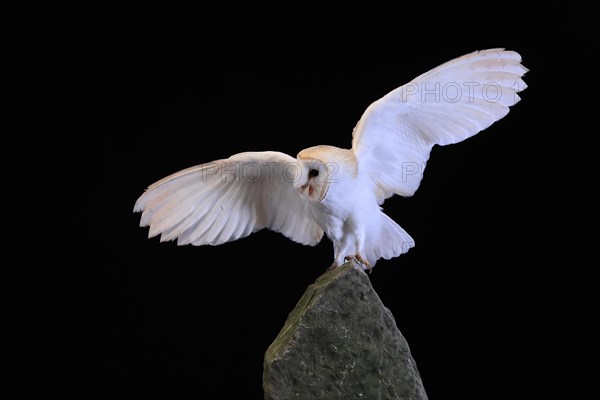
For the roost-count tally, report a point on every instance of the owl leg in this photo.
(336, 263)
(339, 250)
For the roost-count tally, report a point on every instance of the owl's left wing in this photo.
(448, 104)
(225, 200)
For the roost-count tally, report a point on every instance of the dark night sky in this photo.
(462, 297)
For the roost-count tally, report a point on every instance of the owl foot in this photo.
(360, 261)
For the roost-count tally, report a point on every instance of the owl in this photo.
(334, 191)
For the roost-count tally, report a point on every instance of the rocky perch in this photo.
(341, 342)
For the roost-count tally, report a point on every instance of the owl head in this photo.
(322, 166)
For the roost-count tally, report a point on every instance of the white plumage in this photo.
(338, 191)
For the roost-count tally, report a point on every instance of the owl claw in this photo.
(360, 261)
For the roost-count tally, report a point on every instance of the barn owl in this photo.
(334, 191)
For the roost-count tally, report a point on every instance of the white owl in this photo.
(339, 191)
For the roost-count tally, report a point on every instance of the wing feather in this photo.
(225, 200)
(448, 104)
(235, 217)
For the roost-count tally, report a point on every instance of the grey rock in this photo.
(341, 342)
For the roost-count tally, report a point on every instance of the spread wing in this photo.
(448, 104)
(229, 199)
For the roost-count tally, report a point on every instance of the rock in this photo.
(341, 342)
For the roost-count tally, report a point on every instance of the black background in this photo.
(468, 297)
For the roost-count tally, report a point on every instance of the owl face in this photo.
(321, 166)
(314, 179)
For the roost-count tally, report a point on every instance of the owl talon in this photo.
(360, 261)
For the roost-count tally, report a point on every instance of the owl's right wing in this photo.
(452, 102)
(229, 199)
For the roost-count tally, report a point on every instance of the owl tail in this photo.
(391, 241)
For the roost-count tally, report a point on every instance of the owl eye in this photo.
(313, 172)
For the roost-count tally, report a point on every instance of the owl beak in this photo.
(304, 189)
(307, 190)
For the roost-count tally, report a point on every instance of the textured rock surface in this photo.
(340, 342)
